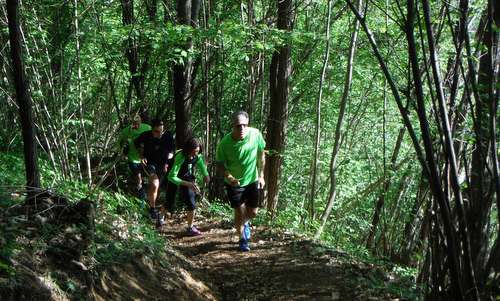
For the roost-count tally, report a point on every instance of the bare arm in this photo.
(261, 164)
(223, 172)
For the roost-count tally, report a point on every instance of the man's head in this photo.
(239, 122)
(136, 122)
(157, 128)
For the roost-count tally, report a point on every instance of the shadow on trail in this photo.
(277, 267)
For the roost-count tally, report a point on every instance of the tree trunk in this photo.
(433, 169)
(338, 128)
(385, 189)
(481, 196)
(23, 98)
(314, 166)
(80, 96)
(132, 51)
(470, 285)
(394, 89)
(279, 72)
(187, 14)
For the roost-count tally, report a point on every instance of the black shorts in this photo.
(135, 168)
(248, 195)
(187, 196)
(156, 169)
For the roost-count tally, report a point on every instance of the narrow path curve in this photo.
(279, 266)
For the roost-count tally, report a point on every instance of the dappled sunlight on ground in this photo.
(278, 267)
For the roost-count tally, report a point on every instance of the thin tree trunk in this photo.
(394, 89)
(132, 52)
(23, 98)
(338, 128)
(38, 116)
(80, 96)
(312, 193)
(410, 236)
(385, 189)
(482, 186)
(252, 66)
(451, 158)
(434, 176)
(494, 95)
(206, 88)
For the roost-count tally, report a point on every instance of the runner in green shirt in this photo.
(182, 176)
(240, 159)
(126, 143)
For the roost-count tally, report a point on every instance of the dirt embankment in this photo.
(280, 266)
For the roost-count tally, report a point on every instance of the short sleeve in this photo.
(202, 166)
(219, 154)
(173, 174)
(123, 137)
(261, 143)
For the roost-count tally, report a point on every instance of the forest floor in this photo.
(52, 257)
(280, 266)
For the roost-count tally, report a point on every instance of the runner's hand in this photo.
(144, 161)
(262, 182)
(165, 168)
(234, 182)
(194, 187)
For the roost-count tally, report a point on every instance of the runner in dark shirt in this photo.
(156, 148)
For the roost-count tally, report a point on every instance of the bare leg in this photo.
(190, 218)
(250, 213)
(137, 184)
(139, 181)
(239, 219)
(153, 189)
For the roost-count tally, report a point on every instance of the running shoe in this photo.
(153, 213)
(244, 245)
(246, 231)
(160, 220)
(193, 231)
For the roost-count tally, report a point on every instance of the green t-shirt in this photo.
(173, 175)
(240, 156)
(127, 136)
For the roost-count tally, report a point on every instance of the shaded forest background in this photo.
(379, 117)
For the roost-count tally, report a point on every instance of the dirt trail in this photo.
(278, 267)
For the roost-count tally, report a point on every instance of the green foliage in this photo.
(122, 226)
(220, 209)
(11, 169)
(233, 46)
(123, 229)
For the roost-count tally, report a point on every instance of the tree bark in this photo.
(481, 196)
(434, 173)
(187, 14)
(132, 51)
(470, 285)
(279, 72)
(23, 98)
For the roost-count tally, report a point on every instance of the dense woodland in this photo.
(379, 116)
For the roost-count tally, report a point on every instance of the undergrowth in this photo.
(123, 229)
